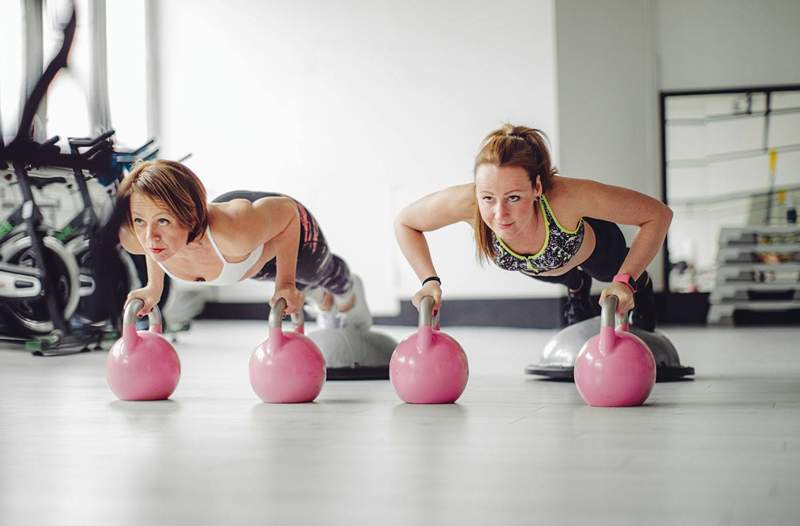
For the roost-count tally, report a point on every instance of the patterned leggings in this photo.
(316, 265)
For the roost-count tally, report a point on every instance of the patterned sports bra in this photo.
(560, 245)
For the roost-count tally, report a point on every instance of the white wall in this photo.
(68, 100)
(356, 108)
(608, 96)
(127, 88)
(13, 77)
(728, 43)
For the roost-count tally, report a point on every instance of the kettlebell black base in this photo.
(663, 373)
(358, 373)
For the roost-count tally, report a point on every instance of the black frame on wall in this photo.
(663, 95)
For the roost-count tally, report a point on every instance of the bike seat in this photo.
(41, 182)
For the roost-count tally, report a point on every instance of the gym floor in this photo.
(721, 449)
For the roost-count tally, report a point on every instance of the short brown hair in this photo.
(173, 185)
(512, 146)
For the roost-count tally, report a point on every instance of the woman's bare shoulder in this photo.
(228, 210)
(129, 241)
(568, 197)
(464, 191)
(563, 185)
(231, 224)
(464, 200)
(570, 189)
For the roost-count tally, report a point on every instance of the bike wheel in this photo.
(32, 315)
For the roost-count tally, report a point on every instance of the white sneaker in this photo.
(358, 316)
(326, 319)
(329, 319)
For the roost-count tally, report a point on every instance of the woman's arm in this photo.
(275, 223)
(628, 207)
(432, 212)
(150, 294)
(283, 233)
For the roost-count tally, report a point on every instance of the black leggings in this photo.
(316, 265)
(610, 251)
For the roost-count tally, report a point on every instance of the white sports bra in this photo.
(231, 272)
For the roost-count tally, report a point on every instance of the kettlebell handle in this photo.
(609, 316)
(426, 317)
(278, 312)
(134, 306)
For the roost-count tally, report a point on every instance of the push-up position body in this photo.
(528, 218)
(240, 235)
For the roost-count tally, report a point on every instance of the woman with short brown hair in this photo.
(239, 235)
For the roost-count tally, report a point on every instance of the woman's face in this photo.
(156, 228)
(505, 199)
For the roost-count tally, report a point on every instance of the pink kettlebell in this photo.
(287, 367)
(429, 367)
(614, 368)
(142, 365)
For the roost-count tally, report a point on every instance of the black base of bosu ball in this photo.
(559, 354)
(354, 354)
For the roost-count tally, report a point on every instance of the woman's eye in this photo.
(513, 198)
(163, 222)
(138, 222)
(486, 198)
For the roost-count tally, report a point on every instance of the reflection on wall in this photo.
(732, 159)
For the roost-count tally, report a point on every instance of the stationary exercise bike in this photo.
(38, 275)
(80, 236)
(24, 243)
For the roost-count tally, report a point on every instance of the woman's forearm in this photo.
(155, 274)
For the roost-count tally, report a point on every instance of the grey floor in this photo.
(723, 449)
